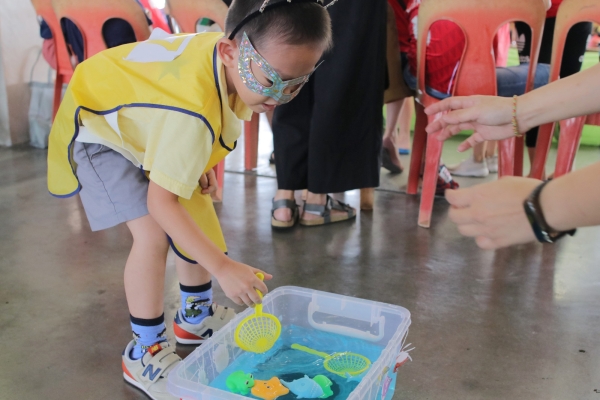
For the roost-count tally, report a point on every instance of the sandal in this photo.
(325, 212)
(284, 203)
(387, 163)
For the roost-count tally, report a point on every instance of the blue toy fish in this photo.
(305, 388)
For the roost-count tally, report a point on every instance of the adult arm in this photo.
(493, 212)
(490, 116)
(237, 280)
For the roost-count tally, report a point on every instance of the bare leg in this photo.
(479, 152)
(490, 149)
(389, 142)
(404, 120)
(191, 274)
(145, 268)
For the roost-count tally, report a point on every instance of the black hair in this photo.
(293, 23)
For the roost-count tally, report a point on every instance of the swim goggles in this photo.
(280, 90)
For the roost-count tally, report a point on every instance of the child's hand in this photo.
(208, 182)
(239, 282)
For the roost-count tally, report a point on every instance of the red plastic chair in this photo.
(64, 69)
(570, 12)
(90, 16)
(479, 21)
(187, 13)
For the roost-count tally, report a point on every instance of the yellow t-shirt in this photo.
(162, 103)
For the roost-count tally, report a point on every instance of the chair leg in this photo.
(519, 148)
(251, 143)
(506, 157)
(219, 169)
(432, 163)
(367, 198)
(418, 150)
(57, 94)
(568, 143)
(542, 147)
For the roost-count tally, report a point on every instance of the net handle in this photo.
(258, 308)
(309, 350)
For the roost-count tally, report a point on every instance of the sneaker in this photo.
(492, 164)
(445, 181)
(186, 333)
(149, 373)
(470, 168)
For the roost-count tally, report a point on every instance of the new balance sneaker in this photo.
(470, 168)
(149, 373)
(186, 333)
(492, 164)
(444, 181)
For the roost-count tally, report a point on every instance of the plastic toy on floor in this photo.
(306, 388)
(240, 382)
(269, 390)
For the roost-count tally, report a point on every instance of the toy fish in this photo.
(325, 384)
(305, 388)
(269, 390)
(240, 382)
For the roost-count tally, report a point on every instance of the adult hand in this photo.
(493, 212)
(489, 117)
(208, 182)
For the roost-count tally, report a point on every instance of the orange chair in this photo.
(187, 13)
(64, 69)
(570, 12)
(90, 16)
(476, 75)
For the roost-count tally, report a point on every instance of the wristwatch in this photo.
(543, 232)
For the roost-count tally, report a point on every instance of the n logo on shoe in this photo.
(151, 372)
(207, 334)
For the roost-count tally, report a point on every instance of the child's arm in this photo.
(237, 280)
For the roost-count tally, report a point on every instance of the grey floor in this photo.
(520, 323)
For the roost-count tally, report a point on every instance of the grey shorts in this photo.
(113, 190)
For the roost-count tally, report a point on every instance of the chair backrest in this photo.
(44, 9)
(90, 16)
(479, 21)
(187, 12)
(569, 13)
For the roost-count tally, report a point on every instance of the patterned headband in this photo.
(266, 6)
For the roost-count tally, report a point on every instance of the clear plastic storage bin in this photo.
(382, 324)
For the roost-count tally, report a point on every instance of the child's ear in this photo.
(227, 51)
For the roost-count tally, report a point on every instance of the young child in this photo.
(141, 125)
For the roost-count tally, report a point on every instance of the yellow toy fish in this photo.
(269, 390)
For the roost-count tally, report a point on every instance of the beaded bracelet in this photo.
(514, 118)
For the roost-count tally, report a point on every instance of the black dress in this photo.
(328, 139)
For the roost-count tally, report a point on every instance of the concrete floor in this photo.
(517, 323)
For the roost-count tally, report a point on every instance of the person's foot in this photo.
(321, 199)
(283, 214)
(492, 164)
(403, 144)
(470, 167)
(390, 158)
(186, 333)
(444, 181)
(149, 373)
